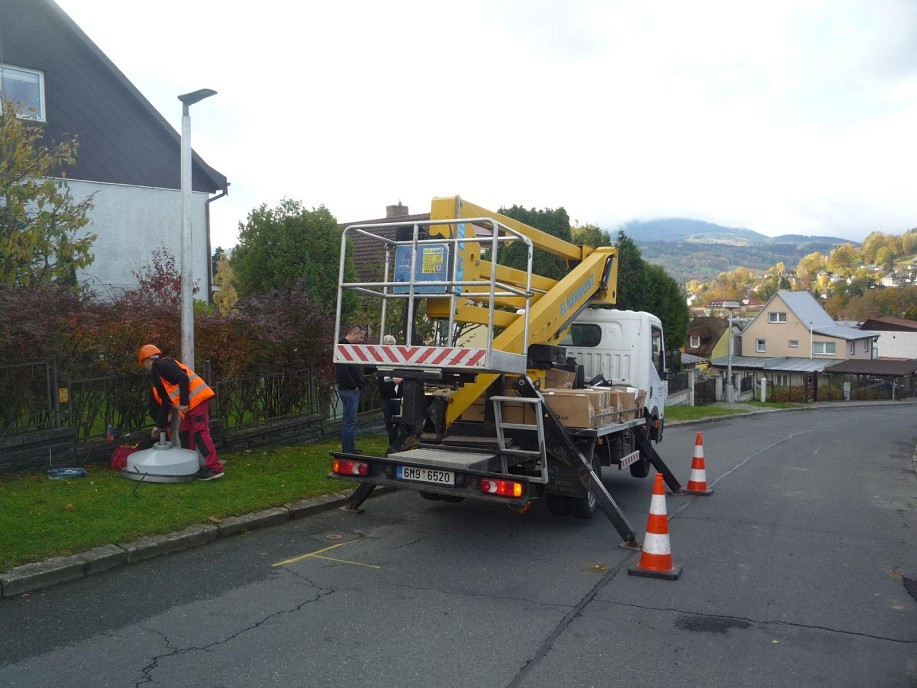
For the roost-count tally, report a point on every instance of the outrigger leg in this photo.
(357, 498)
(646, 448)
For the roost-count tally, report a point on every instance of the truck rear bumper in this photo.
(465, 471)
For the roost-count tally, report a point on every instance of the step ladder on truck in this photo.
(549, 390)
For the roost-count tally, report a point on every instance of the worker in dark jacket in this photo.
(350, 383)
(177, 389)
(390, 398)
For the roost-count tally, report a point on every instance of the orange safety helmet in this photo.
(146, 351)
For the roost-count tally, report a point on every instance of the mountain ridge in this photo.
(697, 250)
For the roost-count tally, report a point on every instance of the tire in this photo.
(585, 507)
(557, 504)
(640, 468)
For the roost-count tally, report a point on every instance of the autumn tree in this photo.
(843, 259)
(41, 224)
(226, 297)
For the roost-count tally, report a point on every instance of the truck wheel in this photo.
(557, 504)
(584, 507)
(640, 468)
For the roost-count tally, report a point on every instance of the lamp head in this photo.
(196, 96)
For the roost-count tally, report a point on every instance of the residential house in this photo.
(707, 338)
(793, 324)
(897, 336)
(793, 339)
(129, 155)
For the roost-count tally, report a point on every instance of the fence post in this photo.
(692, 376)
(763, 390)
(55, 392)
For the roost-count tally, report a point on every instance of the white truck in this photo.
(559, 387)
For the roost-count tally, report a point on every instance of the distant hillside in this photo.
(695, 250)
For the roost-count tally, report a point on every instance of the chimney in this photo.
(395, 211)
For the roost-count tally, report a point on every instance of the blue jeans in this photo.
(351, 400)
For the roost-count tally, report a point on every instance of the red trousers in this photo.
(195, 431)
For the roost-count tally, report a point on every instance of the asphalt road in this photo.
(800, 570)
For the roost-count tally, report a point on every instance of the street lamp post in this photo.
(187, 266)
(730, 390)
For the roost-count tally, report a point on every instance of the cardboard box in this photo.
(573, 407)
(559, 379)
(475, 412)
(627, 399)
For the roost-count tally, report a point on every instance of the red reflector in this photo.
(504, 488)
(345, 467)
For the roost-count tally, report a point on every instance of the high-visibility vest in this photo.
(198, 391)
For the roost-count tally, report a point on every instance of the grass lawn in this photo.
(43, 518)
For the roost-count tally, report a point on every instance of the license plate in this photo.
(633, 457)
(425, 475)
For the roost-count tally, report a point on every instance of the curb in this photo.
(42, 574)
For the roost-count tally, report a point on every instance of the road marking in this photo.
(318, 555)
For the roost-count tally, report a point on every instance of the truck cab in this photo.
(626, 348)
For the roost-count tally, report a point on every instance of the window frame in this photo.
(773, 318)
(760, 346)
(824, 346)
(40, 114)
(693, 341)
(793, 343)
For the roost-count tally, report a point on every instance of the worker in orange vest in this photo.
(175, 386)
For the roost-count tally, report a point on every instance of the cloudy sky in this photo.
(786, 116)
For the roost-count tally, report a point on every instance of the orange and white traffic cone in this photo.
(697, 483)
(656, 558)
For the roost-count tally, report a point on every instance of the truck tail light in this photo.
(345, 467)
(503, 488)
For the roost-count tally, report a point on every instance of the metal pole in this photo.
(187, 269)
(730, 396)
(187, 256)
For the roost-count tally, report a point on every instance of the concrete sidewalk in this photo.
(30, 577)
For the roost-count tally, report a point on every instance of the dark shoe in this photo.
(209, 474)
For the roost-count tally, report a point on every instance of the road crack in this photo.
(149, 669)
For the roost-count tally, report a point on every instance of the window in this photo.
(824, 348)
(25, 87)
(781, 379)
(694, 342)
(866, 345)
(776, 317)
(794, 343)
(760, 346)
(852, 348)
(583, 335)
(658, 352)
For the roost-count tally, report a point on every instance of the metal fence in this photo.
(29, 401)
(704, 392)
(35, 400)
(678, 382)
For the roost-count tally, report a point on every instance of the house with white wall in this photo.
(129, 155)
(897, 336)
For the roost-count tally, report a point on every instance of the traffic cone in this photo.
(656, 558)
(697, 483)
